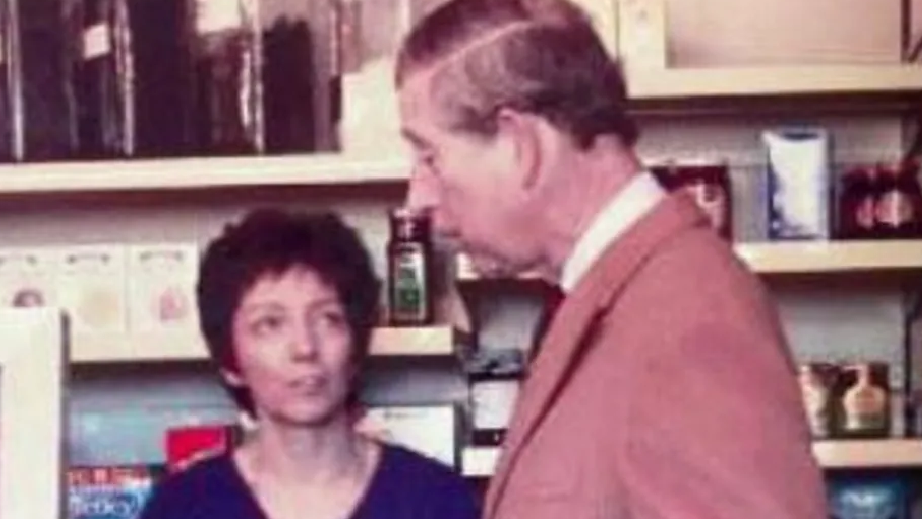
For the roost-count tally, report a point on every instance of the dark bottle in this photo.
(161, 36)
(708, 185)
(898, 209)
(10, 87)
(47, 43)
(104, 81)
(289, 76)
(857, 202)
(228, 78)
(409, 267)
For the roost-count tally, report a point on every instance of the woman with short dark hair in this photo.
(287, 303)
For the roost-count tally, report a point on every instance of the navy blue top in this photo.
(405, 485)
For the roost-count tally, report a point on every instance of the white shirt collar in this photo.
(627, 206)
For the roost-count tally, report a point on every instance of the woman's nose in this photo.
(304, 343)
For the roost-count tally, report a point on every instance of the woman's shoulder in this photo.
(191, 488)
(408, 461)
(409, 478)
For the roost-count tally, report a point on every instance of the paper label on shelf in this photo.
(96, 41)
(161, 286)
(91, 281)
(217, 15)
(26, 278)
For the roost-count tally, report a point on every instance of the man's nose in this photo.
(422, 192)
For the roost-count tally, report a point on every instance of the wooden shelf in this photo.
(185, 345)
(830, 454)
(832, 256)
(677, 83)
(800, 257)
(327, 169)
(887, 453)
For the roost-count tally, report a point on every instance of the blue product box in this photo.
(798, 168)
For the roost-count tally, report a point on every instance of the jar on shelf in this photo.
(857, 204)
(863, 401)
(898, 209)
(409, 268)
(817, 381)
(708, 184)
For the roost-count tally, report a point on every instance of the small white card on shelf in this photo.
(27, 277)
(91, 285)
(430, 430)
(161, 286)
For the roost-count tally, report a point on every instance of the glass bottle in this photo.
(708, 185)
(104, 81)
(864, 401)
(228, 77)
(7, 82)
(161, 39)
(46, 46)
(857, 201)
(290, 75)
(409, 264)
(898, 210)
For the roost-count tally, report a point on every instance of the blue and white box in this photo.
(798, 188)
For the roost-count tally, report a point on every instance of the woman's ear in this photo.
(522, 132)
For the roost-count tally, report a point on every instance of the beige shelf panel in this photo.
(833, 256)
(799, 257)
(868, 453)
(198, 173)
(184, 345)
(676, 83)
(830, 454)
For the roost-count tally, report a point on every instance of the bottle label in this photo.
(217, 15)
(408, 280)
(895, 209)
(96, 41)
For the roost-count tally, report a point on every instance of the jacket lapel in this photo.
(573, 322)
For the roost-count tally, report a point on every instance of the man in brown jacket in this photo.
(663, 387)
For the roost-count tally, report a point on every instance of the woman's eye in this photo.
(333, 318)
(266, 324)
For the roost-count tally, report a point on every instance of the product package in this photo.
(185, 445)
(109, 492)
(868, 496)
(798, 187)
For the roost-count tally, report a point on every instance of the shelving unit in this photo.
(199, 173)
(830, 454)
(892, 453)
(800, 257)
(187, 345)
(683, 83)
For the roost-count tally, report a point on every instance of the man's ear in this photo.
(522, 132)
(232, 378)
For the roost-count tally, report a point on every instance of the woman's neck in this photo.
(297, 454)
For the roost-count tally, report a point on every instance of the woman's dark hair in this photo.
(271, 242)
